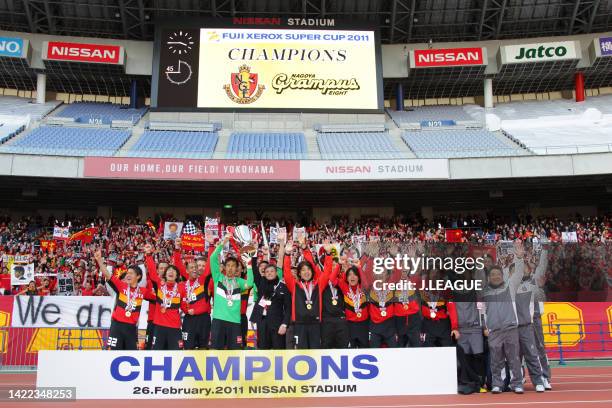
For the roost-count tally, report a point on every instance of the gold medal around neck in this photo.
(334, 302)
(309, 306)
(432, 314)
(128, 313)
(359, 314)
(383, 313)
(230, 303)
(163, 309)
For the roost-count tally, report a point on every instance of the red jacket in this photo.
(349, 306)
(169, 316)
(319, 279)
(200, 300)
(445, 310)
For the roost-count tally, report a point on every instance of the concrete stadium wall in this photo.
(460, 169)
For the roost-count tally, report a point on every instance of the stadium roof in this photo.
(400, 21)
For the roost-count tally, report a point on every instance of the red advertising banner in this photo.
(190, 169)
(447, 57)
(96, 53)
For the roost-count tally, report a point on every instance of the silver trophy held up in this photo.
(243, 236)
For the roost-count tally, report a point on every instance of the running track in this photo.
(574, 387)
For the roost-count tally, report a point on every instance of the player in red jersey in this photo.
(168, 294)
(123, 333)
(355, 304)
(196, 303)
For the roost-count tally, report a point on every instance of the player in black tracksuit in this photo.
(272, 310)
(334, 327)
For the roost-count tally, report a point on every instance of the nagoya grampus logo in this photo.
(243, 88)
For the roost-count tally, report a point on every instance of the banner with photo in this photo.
(22, 274)
(172, 230)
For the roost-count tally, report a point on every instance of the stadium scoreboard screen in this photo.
(286, 64)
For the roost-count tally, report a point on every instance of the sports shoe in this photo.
(496, 390)
(539, 388)
(483, 390)
(547, 384)
(519, 390)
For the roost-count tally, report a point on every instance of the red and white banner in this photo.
(264, 170)
(448, 57)
(78, 52)
(188, 169)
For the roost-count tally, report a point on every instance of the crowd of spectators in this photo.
(122, 241)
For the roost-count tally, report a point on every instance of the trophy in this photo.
(245, 239)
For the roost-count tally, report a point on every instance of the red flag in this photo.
(48, 245)
(193, 242)
(85, 236)
(453, 235)
(151, 225)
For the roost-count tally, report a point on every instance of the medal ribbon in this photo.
(356, 298)
(334, 291)
(308, 291)
(172, 294)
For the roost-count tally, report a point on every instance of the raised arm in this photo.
(102, 264)
(540, 272)
(177, 259)
(215, 269)
(327, 268)
(152, 275)
(289, 279)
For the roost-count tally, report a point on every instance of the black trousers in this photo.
(359, 334)
(196, 331)
(437, 333)
(122, 336)
(334, 334)
(268, 337)
(226, 334)
(149, 335)
(307, 335)
(383, 333)
(244, 329)
(167, 338)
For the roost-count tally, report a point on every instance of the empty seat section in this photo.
(458, 143)
(69, 141)
(354, 145)
(267, 145)
(171, 144)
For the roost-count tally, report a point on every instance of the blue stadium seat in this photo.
(457, 143)
(69, 141)
(355, 145)
(105, 113)
(267, 145)
(175, 144)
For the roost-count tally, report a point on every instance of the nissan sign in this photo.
(447, 57)
(89, 53)
(554, 51)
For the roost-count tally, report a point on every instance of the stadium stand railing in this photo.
(595, 338)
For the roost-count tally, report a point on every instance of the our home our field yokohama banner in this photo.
(250, 374)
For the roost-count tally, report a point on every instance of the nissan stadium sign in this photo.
(87, 53)
(539, 52)
(264, 170)
(447, 57)
(13, 47)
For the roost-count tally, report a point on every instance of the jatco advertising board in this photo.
(291, 64)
